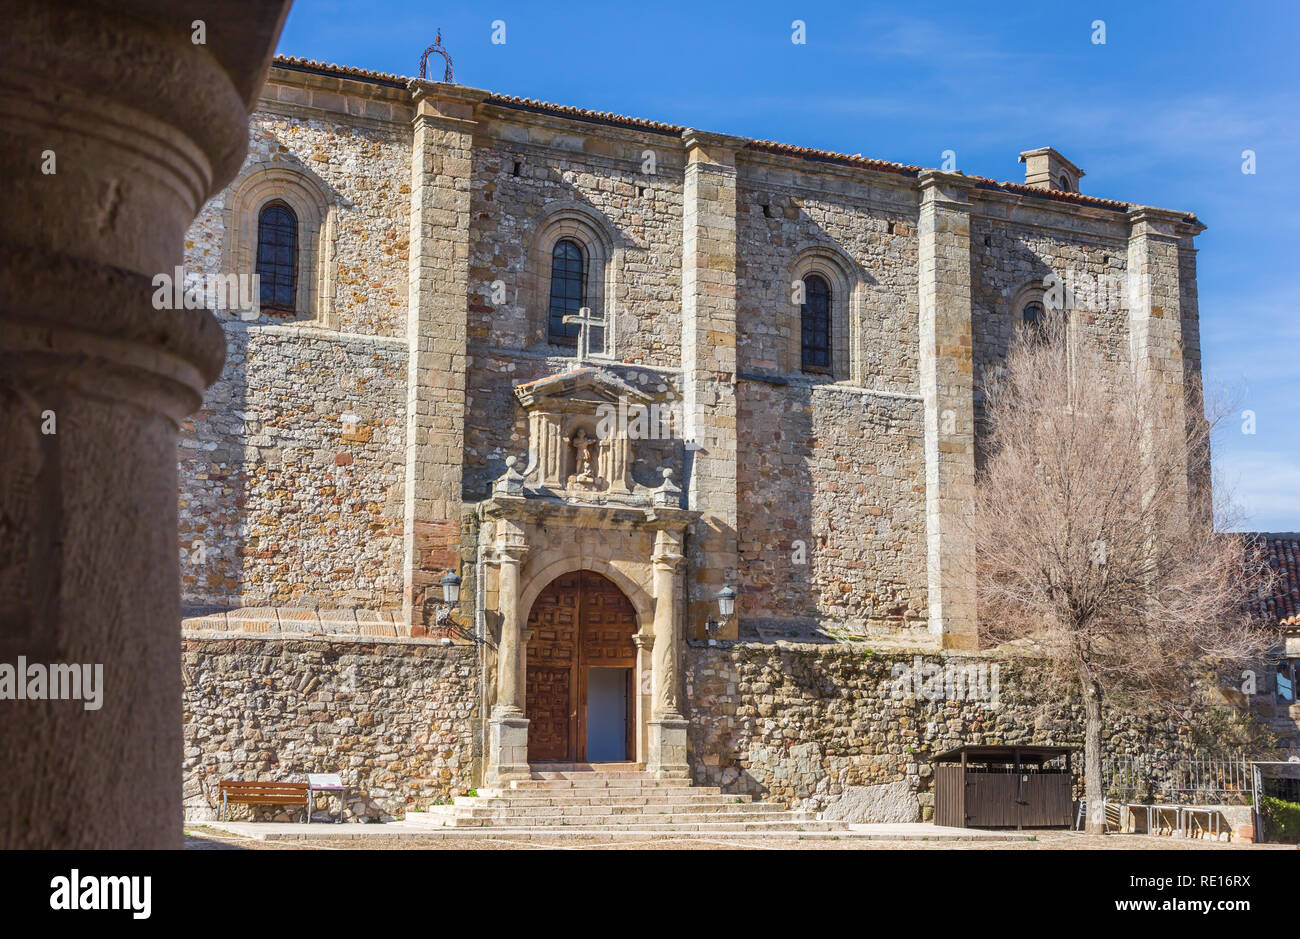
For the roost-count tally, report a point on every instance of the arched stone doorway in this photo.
(580, 697)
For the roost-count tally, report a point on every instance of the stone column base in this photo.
(507, 750)
(667, 757)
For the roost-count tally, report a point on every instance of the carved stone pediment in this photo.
(577, 389)
(578, 442)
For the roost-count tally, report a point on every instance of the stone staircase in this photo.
(603, 798)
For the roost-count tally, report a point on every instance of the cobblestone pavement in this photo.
(199, 838)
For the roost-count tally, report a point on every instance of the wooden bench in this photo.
(235, 792)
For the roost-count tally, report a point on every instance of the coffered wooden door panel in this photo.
(580, 621)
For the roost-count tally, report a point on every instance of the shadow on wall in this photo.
(825, 474)
(291, 476)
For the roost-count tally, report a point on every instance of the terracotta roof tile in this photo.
(604, 117)
(1283, 551)
(809, 153)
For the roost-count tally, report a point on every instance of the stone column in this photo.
(709, 366)
(441, 176)
(1158, 259)
(115, 128)
(521, 673)
(645, 644)
(508, 728)
(948, 392)
(667, 744)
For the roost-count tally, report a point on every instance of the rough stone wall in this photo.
(840, 471)
(394, 718)
(781, 214)
(366, 169)
(291, 477)
(284, 500)
(603, 173)
(521, 175)
(1007, 257)
(798, 723)
(825, 464)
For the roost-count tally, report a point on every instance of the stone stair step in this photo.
(605, 798)
(599, 782)
(579, 782)
(668, 818)
(599, 768)
(589, 811)
(669, 827)
(656, 799)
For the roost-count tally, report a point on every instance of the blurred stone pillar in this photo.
(116, 125)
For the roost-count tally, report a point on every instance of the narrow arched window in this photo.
(568, 289)
(277, 256)
(1032, 315)
(815, 324)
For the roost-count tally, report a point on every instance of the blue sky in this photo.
(1159, 115)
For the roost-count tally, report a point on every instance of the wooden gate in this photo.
(1004, 787)
(580, 621)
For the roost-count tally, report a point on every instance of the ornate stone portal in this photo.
(576, 507)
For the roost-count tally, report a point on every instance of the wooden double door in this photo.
(581, 622)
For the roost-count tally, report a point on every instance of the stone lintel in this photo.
(581, 515)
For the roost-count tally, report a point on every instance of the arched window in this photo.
(815, 324)
(1065, 184)
(1033, 315)
(277, 256)
(568, 292)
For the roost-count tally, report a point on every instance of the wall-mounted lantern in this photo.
(726, 606)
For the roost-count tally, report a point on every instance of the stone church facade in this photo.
(601, 368)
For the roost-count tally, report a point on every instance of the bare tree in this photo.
(1095, 541)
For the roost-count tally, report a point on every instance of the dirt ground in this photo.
(200, 838)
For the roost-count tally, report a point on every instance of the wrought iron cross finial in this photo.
(436, 47)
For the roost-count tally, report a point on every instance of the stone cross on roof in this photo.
(585, 320)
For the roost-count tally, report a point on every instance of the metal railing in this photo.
(1184, 782)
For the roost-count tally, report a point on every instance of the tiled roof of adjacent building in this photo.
(1283, 551)
(622, 120)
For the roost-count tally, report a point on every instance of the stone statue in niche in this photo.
(582, 477)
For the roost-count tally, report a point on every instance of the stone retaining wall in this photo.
(394, 717)
(811, 725)
(831, 727)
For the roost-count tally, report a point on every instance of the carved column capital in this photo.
(511, 553)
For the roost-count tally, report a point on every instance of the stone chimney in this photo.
(1047, 169)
